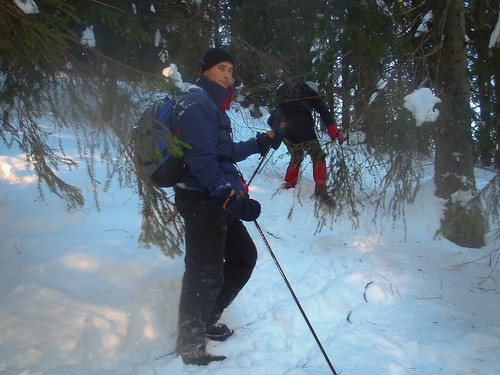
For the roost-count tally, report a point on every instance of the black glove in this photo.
(241, 206)
(272, 138)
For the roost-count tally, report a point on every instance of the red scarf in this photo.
(226, 104)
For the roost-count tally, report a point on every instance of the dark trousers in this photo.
(220, 257)
(301, 138)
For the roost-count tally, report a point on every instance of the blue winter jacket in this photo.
(203, 124)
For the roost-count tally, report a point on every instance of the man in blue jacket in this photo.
(212, 198)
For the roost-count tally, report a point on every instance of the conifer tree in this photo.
(481, 21)
(45, 67)
(463, 223)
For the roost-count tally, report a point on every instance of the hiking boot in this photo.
(202, 360)
(218, 332)
(320, 191)
(323, 196)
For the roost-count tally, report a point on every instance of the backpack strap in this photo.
(193, 87)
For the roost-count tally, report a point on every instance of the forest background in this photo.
(365, 56)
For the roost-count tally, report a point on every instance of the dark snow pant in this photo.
(220, 257)
(301, 138)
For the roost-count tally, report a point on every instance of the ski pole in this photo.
(259, 166)
(259, 229)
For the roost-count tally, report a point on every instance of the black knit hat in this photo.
(213, 57)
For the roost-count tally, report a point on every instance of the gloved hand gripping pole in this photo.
(270, 133)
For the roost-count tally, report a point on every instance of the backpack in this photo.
(157, 150)
(289, 92)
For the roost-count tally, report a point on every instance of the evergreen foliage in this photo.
(484, 72)
(364, 56)
(83, 89)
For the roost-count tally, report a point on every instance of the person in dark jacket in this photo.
(213, 200)
(296, 102)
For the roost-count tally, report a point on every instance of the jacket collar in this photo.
(221, 96)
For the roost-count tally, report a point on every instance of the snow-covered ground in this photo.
(78, 296)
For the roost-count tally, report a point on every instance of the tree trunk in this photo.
(454, 162)
(346, 95)
(496, 76)
(484, 66)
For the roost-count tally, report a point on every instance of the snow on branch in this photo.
(88, 37)
(495, 35)
(27, 6)
(421, 104)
